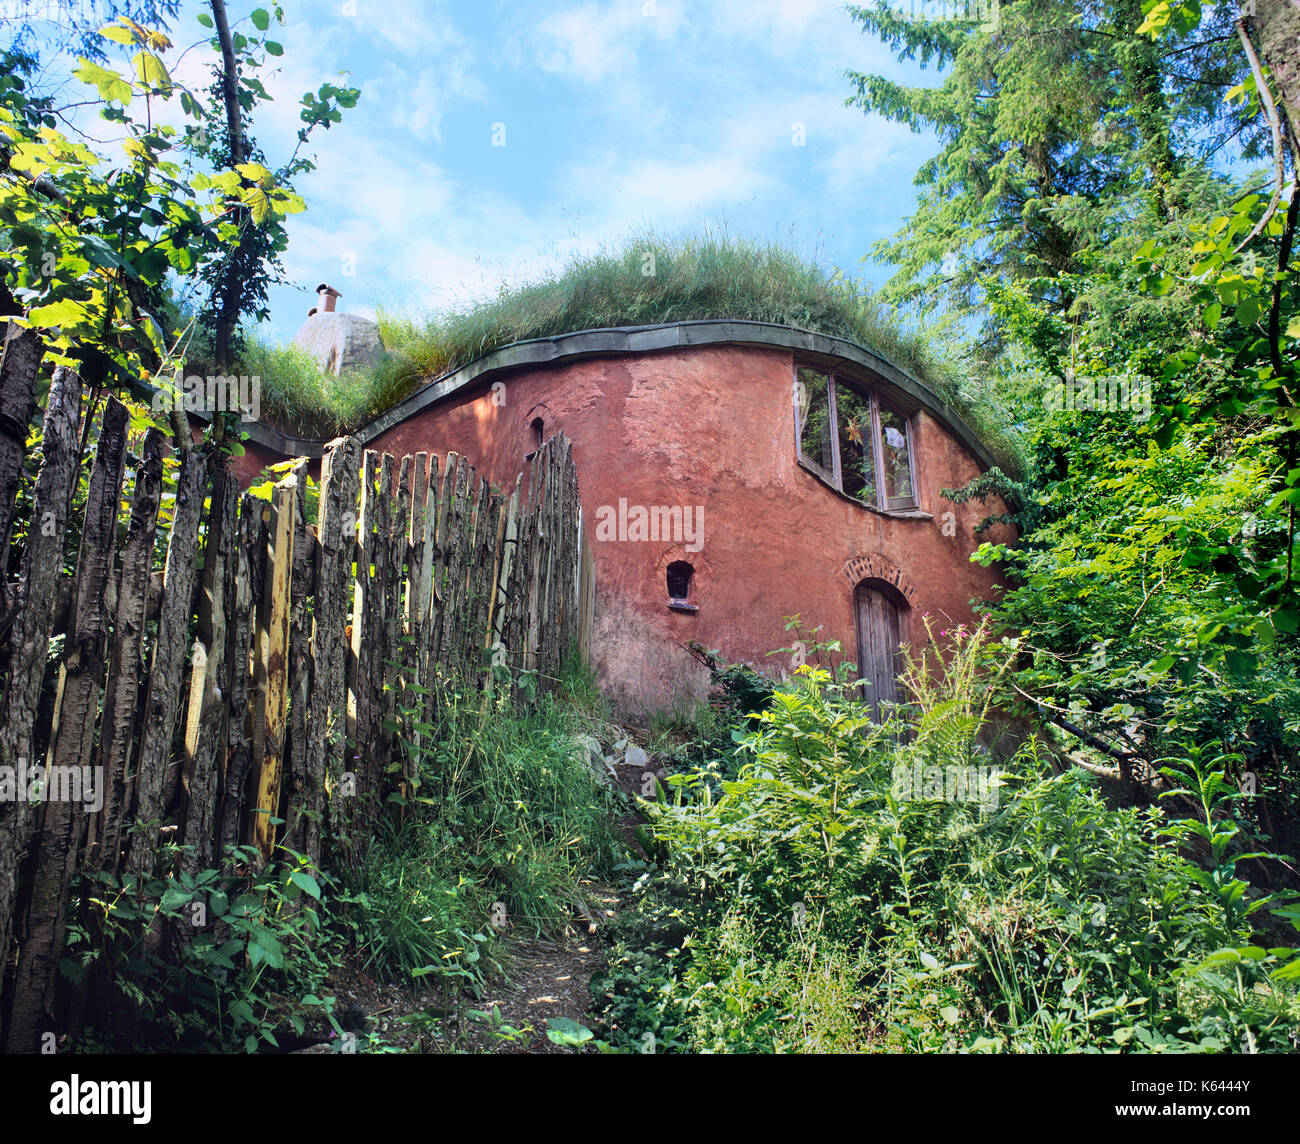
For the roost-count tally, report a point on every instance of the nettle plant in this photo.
(217, 958)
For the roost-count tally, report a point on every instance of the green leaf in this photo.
(261, 19)
(273, 48)
(1288, 972)
(65, 313)
(110, 84)
(1248, 310)
(266, 948)
(118, 34)
(1241, 664)
(306, 883)
(564, 1031)
(149, 69)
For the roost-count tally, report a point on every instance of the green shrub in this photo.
(215, 961)
(827, 897)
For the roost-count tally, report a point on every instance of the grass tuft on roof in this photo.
(647, 279)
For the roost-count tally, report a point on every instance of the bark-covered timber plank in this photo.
(250, 561)
(63, 810)
(418, 585)
(275, 652)
(476, 584)
(454, 573)
(573, 549)
(465, 585)
(22, 353)
(395, 648)
(299, 798)
(170, 649)
(492, 625)
(377, 749)
(29, 634)
(327, 724)
(440, 490)
(489, 570)
(121, 693)
(516, 602)
(367, 604)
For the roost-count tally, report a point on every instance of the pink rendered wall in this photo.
(714, 427)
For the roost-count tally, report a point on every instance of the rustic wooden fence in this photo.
(272, 692)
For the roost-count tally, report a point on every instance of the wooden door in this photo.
(879, 636)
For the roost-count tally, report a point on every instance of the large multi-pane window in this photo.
(854, 440)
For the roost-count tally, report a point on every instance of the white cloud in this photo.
(783, 25)
(651, 186)
(593, 43)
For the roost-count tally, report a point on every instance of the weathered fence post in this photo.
(454, 549)
(327, 720)
(250, 558)
(273, 671)
(22, 353)
(30, 632)
(210, 682)
(119, 727)
(367, 604)
(162, 700)
(61, 823)
(301, 799)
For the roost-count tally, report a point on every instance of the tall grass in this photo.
(301, 398)
(648, 279)
(505, 831)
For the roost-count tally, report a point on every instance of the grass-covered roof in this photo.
(647, 280)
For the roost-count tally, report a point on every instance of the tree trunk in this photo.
(1275, 29)
(228, 294)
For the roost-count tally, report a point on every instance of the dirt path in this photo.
(550, 980)
(543, 979)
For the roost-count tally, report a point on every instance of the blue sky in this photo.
(617, 115)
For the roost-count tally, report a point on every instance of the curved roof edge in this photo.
(622, 340)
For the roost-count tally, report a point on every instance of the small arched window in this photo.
(536, 431)
(680, 574)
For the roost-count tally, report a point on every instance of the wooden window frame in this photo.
(835, 479)
(832, 477)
